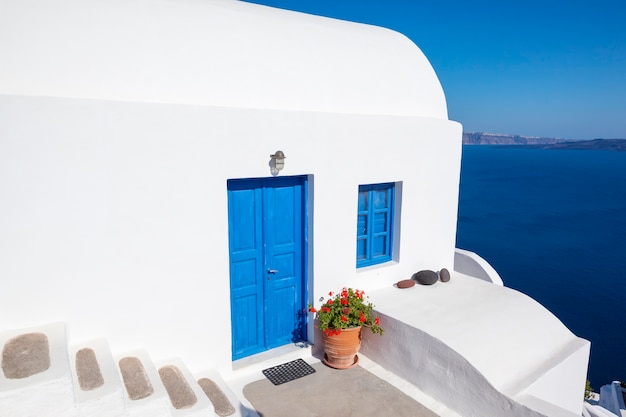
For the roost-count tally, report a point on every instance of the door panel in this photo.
(266, 235)
(283, 238)
(246, 335)
(280, 321)
(246, 266)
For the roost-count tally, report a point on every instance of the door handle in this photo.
(271, 272)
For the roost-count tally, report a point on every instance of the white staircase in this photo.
(40, 376)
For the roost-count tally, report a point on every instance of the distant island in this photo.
(483, 138)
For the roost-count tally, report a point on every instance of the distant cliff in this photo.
(482, 138)
(604, 144)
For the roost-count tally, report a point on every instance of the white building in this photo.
(139, 201)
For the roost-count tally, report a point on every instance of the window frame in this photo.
(370, 233)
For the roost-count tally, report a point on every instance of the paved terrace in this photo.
(367, 390)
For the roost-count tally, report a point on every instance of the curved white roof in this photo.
(507, 336)
(211, 52)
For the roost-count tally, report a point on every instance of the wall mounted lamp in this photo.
(277, 163)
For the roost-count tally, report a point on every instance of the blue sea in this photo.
(553, 224)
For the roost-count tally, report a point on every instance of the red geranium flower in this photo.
(346, 309)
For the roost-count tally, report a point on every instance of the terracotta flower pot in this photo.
(341, 349)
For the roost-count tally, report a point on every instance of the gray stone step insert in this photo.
(25, 355)
(144, 394)
(88, 370)
(222, 404)
(180, 393)
(186, 396)
(228, 405)
(32, 355)
(109, 395)
(135, 378)
(35, 368)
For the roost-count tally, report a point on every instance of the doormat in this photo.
(288, 371)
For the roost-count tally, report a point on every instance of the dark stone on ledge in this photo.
(425, 277)
(444, 275)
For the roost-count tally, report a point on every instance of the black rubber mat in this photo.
(288, 371)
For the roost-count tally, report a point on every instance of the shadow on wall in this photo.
(469, 263)
(438, 371)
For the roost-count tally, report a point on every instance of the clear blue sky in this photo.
(552, 68)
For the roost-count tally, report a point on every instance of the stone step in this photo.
(224, 401)
(144, 393)
(186, 396)
(87, 380)
(35, 365)
(97, 383)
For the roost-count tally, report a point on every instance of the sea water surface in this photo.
(553, 224)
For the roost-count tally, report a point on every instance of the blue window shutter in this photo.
(374, 224)
(362, 241)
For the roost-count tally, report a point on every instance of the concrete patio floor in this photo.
(364, 391)
(331, 392)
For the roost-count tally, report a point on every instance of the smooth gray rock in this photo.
(444, 275)
(426, 277)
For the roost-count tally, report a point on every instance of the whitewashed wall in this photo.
(120, 123)
(114, 215)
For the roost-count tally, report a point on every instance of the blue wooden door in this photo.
(266, 229)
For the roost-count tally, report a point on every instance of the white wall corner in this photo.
(564, 384)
